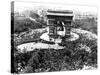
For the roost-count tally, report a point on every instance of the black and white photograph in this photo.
(50, 37)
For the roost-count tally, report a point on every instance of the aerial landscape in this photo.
(49, 39)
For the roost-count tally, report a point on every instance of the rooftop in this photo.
(60, 12)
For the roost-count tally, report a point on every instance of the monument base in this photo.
(46, 37)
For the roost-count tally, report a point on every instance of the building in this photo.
(59, 21)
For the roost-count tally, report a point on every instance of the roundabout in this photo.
(46, 37)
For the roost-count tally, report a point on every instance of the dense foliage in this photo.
(88, 23)
(46, 60)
